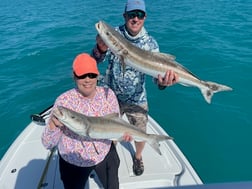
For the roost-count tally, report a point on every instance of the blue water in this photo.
(39, 39)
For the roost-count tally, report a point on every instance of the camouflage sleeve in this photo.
(154, 47)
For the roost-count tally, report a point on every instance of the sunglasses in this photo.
(138, 14)
(90, 75)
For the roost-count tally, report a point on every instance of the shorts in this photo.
(136, 114)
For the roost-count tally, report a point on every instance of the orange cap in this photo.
(83, 64)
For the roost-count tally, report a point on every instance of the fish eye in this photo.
(72, 117)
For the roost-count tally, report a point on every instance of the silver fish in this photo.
(154, 63)
(107, 127)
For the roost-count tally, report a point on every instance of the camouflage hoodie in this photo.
(129, 86)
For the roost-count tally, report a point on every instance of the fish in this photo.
(154, 63)
(110, 127)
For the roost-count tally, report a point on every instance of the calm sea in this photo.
(39, 40)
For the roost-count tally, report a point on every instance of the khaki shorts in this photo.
(136, 114)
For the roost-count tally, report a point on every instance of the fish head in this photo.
(111, 38)
(60, 112)
(73, 120)
(104, 30)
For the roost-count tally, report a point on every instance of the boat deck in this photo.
(24, 164)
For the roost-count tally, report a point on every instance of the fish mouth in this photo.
(97, 25)
(57, 112)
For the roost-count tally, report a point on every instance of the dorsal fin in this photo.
(112, 115)
(165, 56)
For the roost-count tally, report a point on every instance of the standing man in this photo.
(129, 84)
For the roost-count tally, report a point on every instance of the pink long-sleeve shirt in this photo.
(81, 151)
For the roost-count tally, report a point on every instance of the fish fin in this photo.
(112, 115)
(121, 121)
(212, 88)
(123, 64)
(207, 93)
(165, 56)
(171, 59)
(154, 143)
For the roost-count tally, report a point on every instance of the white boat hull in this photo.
(24, 164)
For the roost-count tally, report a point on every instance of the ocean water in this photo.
(39, 40)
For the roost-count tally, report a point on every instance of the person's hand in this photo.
(54, 122)
(127, 137)
(100, 44)
(169, 78)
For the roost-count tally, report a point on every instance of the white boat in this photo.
(28, 165)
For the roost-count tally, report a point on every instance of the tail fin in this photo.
(155, 139)
(212, 88)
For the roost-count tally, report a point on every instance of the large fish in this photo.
(154, 63)
(106, 127)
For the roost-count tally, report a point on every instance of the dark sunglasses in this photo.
(138, 14)
(90, 75)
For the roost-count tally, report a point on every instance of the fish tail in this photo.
(155, 139)
(212, 88)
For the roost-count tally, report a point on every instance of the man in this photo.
(129, 84)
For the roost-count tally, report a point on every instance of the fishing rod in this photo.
(40, 118)
(42, 178)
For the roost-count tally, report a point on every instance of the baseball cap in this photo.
(135, 5)
(83, 64)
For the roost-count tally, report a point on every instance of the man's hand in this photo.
(100, 44)
(169, 78)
